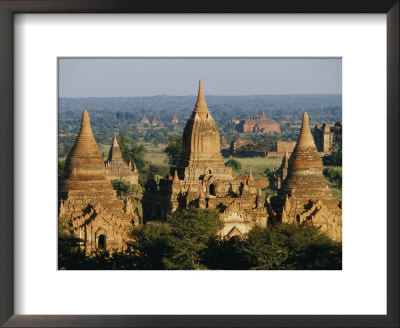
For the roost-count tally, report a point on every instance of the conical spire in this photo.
(201, 108)
(305, 153)
(250, 176)
(306, 139)
(86, 182)
(285, 160)
(176, 178)
(200, 139)
(174, 119)
(85, 151)
(304, 174)
(115, 150)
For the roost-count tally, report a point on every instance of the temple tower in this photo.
(201, 141)
(204, 181)
(88, 198)
(304, 176)
(116, 168)
(174, 119)
(305, 195)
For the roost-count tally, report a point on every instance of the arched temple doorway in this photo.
(102, 242)
(212, 189)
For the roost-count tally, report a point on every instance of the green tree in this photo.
(235, 165)
(334, 147)
(174, 149)
(334, 158)
(151, 244)
(334, 175)
(125, 189)
(137, 155)
(290, 246)
(125, 145)
(192, 230)
(269, 171)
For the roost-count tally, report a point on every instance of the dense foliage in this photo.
(125, 189)
(174, 149)
(334, 176)
(334, 158)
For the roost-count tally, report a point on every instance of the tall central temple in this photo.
(202, 179)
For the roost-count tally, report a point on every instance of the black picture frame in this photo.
(7, 10)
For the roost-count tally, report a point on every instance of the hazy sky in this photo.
(148, 77)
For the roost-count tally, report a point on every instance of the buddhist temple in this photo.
(174, 120)
(258, 124)
(325, 136)
(144, 120)
(116, 168)
(224, 144)
(282, 147)
(305, 195)
(202, 179)
(154, 122)
(88, 200)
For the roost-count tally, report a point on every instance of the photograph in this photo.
(199, 163)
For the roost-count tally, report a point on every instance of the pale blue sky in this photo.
(130, 77)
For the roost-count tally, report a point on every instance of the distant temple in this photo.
(202, 180)
(154, 122)
(174, 120)
(243, 147)
(88, 200)
(116, 168)
(258, 124)
(305, 195)
(325, 136)
(224, 144)
(281, 148)
(144, 120)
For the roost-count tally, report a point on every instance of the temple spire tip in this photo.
(201, 106)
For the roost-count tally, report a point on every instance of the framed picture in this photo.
(60, 67)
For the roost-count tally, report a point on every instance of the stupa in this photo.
(174, 120)
(144, 120)
(116, 168)
(88, 199)
(305, 195)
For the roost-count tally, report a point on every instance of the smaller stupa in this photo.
(116, 168)
(174, 120)
(144, 120)
(305, 195)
